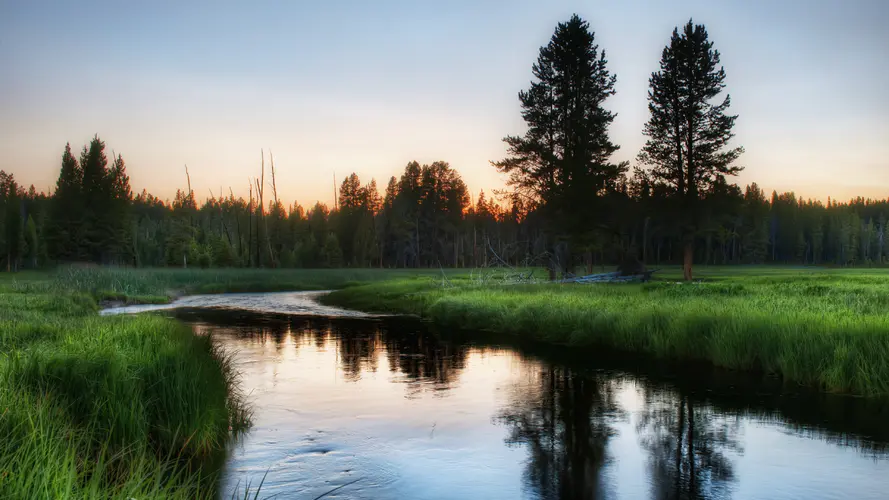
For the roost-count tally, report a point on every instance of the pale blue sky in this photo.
(366, 86)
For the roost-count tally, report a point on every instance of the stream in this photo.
(380, 407)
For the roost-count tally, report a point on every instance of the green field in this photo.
(136, 406)
(106, 407)
(126, 406)
(161, 285)
(827, 328)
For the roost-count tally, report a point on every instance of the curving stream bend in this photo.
(385, 408)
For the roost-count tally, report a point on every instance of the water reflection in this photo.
(420, 414)
(690, 446)
(565, 420)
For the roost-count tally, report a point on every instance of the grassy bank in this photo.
(122, 407)
(106, 407)
(826, 328)
(161, 285)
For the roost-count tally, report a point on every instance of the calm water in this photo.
(392, 411)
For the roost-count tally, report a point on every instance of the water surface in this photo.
(388, 409)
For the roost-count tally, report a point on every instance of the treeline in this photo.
(568, 205)
(423, 218)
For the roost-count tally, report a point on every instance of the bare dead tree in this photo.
(260, 189)
(188, 178)
(250, 225)
(274, 183)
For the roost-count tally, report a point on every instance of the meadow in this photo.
(826, 328)
(139, 407)
(160, 285)
(107, 407)
(122, 406)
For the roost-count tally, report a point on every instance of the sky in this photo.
(336, 87)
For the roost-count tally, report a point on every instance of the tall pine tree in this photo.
(66, 210)
(688, 132)
(94, 164)
(11, 241)
(120, 198)
(562, 163)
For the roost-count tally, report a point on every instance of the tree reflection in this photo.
(424, 361)
(689, 445)
(565, 421)
(358, 350)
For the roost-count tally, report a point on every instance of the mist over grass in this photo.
(824, 328)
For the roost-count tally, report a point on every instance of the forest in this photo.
(424, 218)
(567, 205)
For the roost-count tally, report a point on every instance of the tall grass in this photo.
(154, 285)
(114, 407)
(138, 407)
(815, 327)
(123, 407)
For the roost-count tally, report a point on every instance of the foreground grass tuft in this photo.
(107, 407)
(824, 328)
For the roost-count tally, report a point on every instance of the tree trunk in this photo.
(708, 250)
(692, 486)
(687, 259)
(679, 434)
(645, 240)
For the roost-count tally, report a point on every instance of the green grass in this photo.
(106, 407)
(158, 285)
(138, 407)
(123, 406)
(818, 327)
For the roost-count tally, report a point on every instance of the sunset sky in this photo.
(366, 86)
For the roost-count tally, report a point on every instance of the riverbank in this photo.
(137, 406)
(823, 328)
(106, 407)
(125, 406)
(161, 285)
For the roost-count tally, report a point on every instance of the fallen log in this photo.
(615, 277)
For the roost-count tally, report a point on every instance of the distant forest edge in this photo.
(423, 219)
(567, 204)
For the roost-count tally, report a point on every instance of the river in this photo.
(370, 407)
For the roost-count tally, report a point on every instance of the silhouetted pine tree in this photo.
(11, 236)
(562, 163)
(119, 247)
(94, 164)
(687, 133)
(66, 210)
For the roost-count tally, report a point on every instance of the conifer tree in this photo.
(11, 200)
(66, 210)
(32, 245)
(688, 133)
(562, 163)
